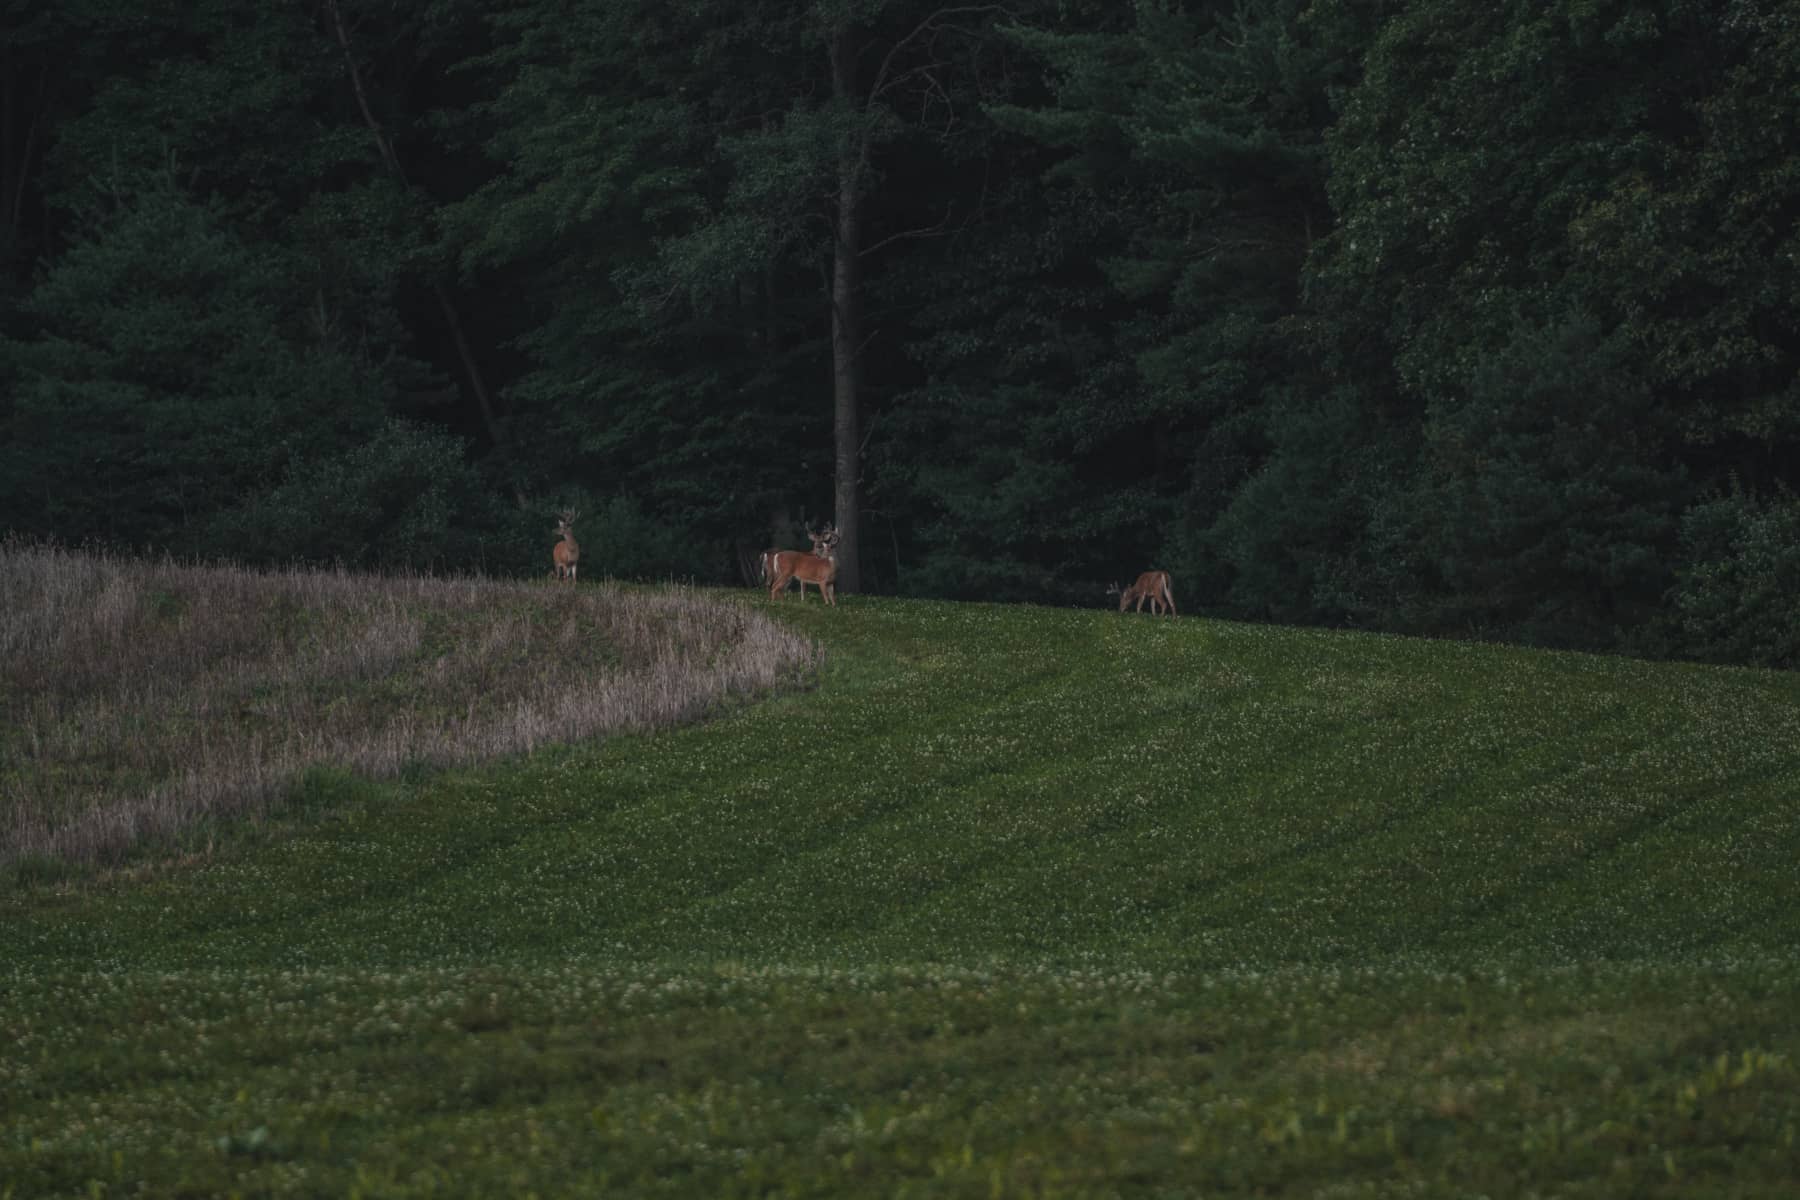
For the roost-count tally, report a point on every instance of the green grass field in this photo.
(1015, 902)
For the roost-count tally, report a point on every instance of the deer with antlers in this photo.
(1152, 586)
(566, 554)
(818, 568)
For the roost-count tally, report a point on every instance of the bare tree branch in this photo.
(924, 231)
(882, 82)
(382, 144)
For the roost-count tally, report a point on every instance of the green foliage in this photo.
(1310, 537)
(168, 371)
(1188, 143)
(621, 540)
(233, 104)
(657, 365)
(1737, 595)
(1433, 316)
(1006, 469)
(1549, 505)
(408, 497)
(1533, 237)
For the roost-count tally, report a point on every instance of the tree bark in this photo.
(846, 323)
(15, 170)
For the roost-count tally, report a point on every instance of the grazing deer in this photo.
(1152, 586)
(566, 553)
(819, 567)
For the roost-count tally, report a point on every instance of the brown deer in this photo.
(566, 553)
(1152, 586)
(818, 568)
(766, 568)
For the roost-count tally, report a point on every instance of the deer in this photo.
(766, 568)
(818, 568)
(1152, 586)
(566, 554)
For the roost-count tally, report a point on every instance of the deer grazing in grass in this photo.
(818, 568)
(1152, 586)
(566, 554)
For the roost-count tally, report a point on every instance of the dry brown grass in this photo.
(137, 697)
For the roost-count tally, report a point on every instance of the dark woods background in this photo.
(1449, 316)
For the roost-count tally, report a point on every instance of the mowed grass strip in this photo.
(978, 783)
(1627, 1081)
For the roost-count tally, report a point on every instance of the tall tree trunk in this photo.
(15, 162)
(846, 322)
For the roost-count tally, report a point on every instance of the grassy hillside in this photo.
(1016, 902)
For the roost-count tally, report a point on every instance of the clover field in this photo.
(1001, 901)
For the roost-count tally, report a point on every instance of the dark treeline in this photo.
(1447, 316)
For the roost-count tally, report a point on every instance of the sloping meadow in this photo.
(1016, 902)
(138, 698)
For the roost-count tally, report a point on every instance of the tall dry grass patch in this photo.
(137, 697)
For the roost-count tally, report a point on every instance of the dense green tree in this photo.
(170, 369)
(1181, 153)
(244, 141)
(600, 133)
(1737, 598)
(697, 193)
(1549, 498)
(1005, 466)
(871, 92)
(1526, 199)
(406, 496)
(1432, 315)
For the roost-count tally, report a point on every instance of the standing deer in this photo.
(766, 568)
(1152, 586)
(566, 553)
(818, 568)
